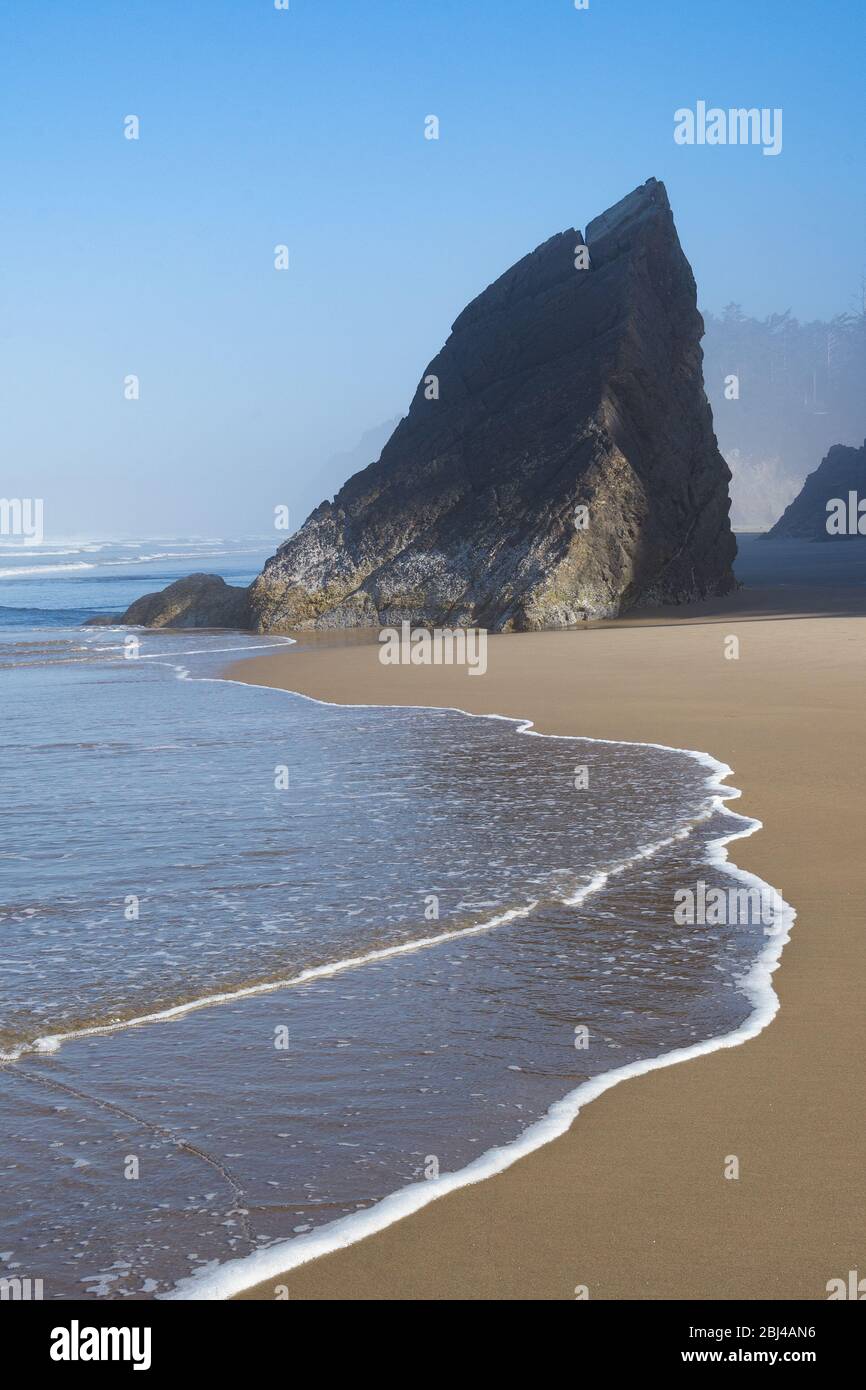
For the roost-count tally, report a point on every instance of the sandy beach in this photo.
(632, 1202)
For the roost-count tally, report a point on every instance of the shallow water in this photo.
(151, 860)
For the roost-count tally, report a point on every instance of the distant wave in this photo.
(41, 554)
(193, 554)
(114, 560)
(46, 569)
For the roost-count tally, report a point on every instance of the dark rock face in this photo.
(201, 600)
(559, 388)
(841, 473)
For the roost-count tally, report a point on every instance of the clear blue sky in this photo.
(258, 126)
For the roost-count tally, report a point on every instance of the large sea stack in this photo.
(828, 504)
(559, 388)
(558, 460)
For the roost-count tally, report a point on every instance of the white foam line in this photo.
(52, 1042)
(164, 657)
(216, 651)
(30, 570)
(236, 1275)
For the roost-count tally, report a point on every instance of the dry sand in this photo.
(632, 1201)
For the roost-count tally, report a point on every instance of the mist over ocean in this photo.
(155, 857)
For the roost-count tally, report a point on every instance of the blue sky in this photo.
(259, 127)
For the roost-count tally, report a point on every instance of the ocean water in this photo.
(62, 583)
(265, 962)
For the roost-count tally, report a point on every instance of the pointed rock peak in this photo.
(647, 200)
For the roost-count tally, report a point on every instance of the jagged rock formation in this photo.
(558, 388)
(558, 462)
(200, 600)
(812, 516)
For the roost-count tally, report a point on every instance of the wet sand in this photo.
(632, 1202)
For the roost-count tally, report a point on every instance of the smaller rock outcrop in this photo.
(827, 507)
(200, 600)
